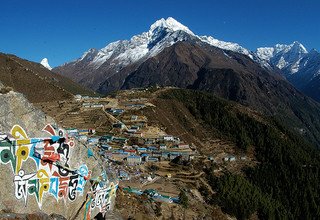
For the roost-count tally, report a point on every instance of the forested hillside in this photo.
(284, 184)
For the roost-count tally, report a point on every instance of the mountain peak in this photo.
(283, 55)
(298, 46)
(44, 62)
(170, 23)
(296, 43)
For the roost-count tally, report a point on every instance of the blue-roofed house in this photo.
(83, 131)
(120, 140)
(116, 111)
(118, 125)
(144, 157)
(142, 149)
(152, 148)
(153, 159)
(105, 138)
(72, 132)
(93, 140)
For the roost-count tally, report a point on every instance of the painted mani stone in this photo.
(53, 175)
(51, 156)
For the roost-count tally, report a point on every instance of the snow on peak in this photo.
(283, 55)
(89, 55)
(171, 24)
(225, 45)
(298, 48)
(295, 47)
(163, 33)
(265, 53)
(44, 62)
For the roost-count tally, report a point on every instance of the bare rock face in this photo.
(43, 171)
(16, 109)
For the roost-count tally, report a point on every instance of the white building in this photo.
(168, 138)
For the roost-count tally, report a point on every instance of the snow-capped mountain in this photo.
(307, 65)
(117, 58)
(307, 70)
(283, 56)
(293, 59)
(163, 33)
(44, 62)
(226, 45)
(298, 65)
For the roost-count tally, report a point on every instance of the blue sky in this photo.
(62, 30)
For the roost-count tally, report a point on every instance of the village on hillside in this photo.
(141, 154)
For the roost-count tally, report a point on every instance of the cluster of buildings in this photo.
(128, 145)
(152, 150)
(80, 134)
(232, 158)
(79, 97)
(117, 149)
(90, 102)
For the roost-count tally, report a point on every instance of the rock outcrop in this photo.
(44, 171)
(16, 109)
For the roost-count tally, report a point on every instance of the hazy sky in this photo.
(62, 30)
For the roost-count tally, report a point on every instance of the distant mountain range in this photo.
(300, 67)
(107, 69)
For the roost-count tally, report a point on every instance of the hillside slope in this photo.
(312, 89)
(36, 82)
(286, 178)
